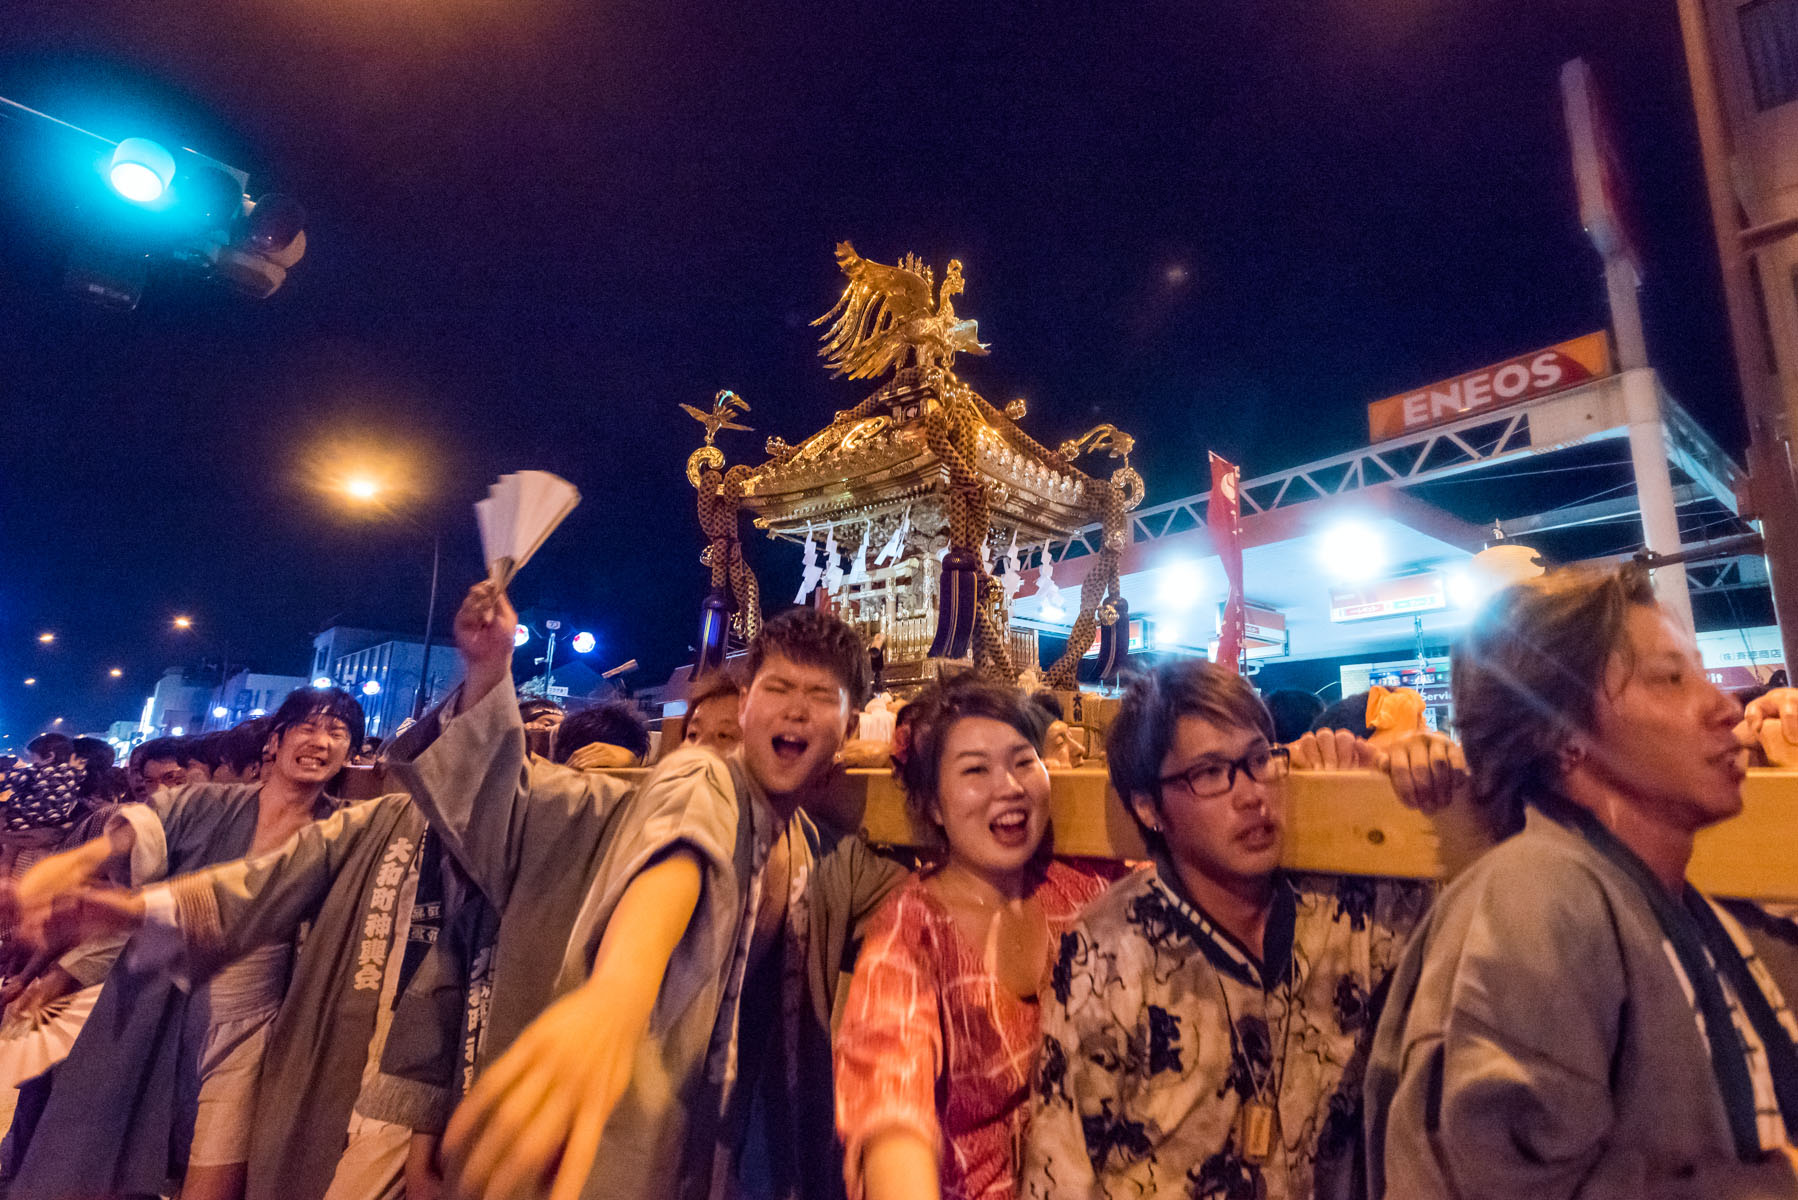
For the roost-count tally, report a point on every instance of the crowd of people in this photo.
(522, 971)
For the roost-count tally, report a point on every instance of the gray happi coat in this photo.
(553, 850)
(1539, 1044)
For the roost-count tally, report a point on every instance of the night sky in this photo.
(535, 228)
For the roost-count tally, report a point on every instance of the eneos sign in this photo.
(1498, 386)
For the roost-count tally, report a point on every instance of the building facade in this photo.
(247, 695)
(383, 672)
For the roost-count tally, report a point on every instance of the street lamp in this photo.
(46, 637)
(365, 489)
(31, 681)
(184, 622)
(116, 673)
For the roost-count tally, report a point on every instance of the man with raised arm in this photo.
(632, 920)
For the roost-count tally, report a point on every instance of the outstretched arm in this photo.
(195, 923)
(537, 1114)
(26, 906)
(465, 765)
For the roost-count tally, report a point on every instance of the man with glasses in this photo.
(1201, 1030)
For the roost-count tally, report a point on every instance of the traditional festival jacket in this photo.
(781, 1133)
(933, 1044)
(1160, 1028)
(109, 1124)
(552, 850)
(1543, 1039)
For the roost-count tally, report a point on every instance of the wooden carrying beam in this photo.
(1342, 823)
(1351, 823)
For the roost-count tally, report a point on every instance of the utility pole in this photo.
(1604, 211)
(424, 666)
(1771, 416)
(549, 659)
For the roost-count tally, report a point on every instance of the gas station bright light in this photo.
(1352, 552)
(141, 171)
(583, 643)
(1181, 587)
(1463, 592)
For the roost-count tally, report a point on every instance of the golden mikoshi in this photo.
(945, 483)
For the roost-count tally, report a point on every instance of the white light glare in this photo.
(583, 643)
(372, 688)
(322, 681)
(1352, 552)
(1463, 592)
(141, 170)
(220, 711)
(1182, 586)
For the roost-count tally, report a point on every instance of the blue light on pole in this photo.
(583, 643)
(141, 171)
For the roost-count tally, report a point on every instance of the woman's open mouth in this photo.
(1011, 829)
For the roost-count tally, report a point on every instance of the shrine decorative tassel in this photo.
(714, 632)
(957, 601)
(1114, 643)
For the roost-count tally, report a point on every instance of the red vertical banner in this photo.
(1223, 517)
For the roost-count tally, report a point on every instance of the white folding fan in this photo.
(520, 511)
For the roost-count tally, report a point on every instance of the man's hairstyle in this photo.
(302, 704)
(614, 722)
(96, 752)
(816, 639)
(1348, 713)
(1527, 675)
(371, 744)
(1048, 705)
(530, 710)
(1143, 729)
(718, 685)
(98, 758)
(936, 711)
(205, 749)
(240, 747)
(112, 787)
(162, 749)
(56, 747)
(1293, 710)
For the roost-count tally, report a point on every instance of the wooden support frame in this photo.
(1341, 822)
(1351, 823)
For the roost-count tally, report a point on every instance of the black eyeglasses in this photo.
(1211, 778)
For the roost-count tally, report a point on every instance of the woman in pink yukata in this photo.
(940, 1034)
